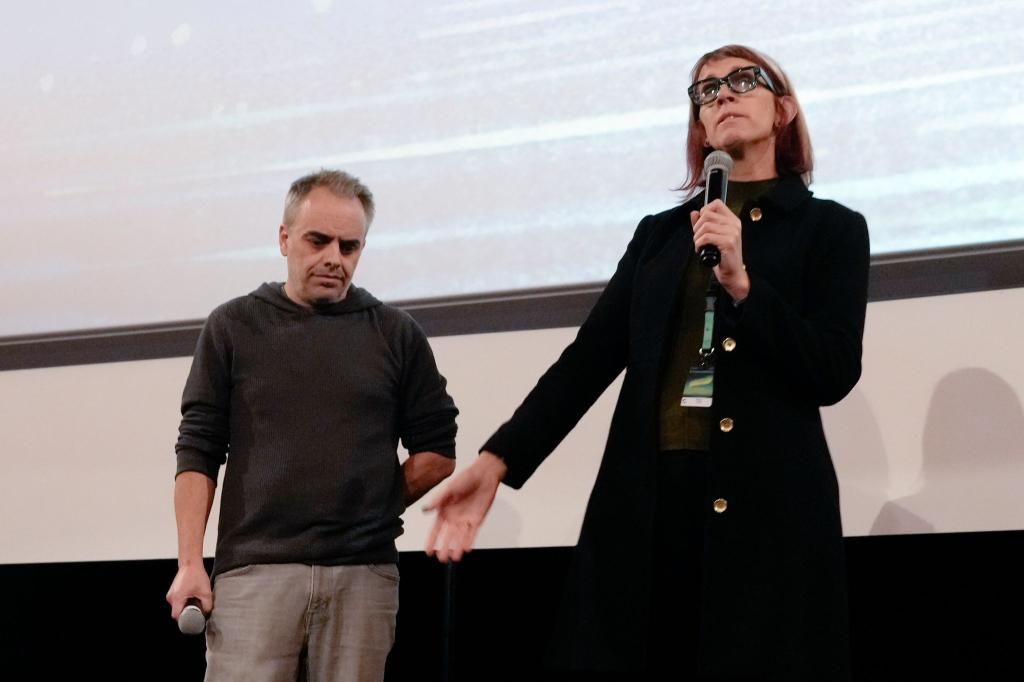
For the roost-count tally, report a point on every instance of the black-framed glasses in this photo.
(743, 79)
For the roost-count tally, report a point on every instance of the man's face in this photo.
(323, 245)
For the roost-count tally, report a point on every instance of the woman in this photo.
(712, 540)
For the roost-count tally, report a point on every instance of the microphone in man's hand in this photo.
(191, 620)
(717, 167)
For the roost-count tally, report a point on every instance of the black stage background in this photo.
(922, 607)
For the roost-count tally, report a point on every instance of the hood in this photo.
(355, 300)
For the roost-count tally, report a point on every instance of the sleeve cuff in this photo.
(193, 460)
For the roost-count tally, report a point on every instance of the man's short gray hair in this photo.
(339, 183)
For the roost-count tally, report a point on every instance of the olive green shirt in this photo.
(689, 428)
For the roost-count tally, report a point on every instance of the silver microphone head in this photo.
(718, 160)
(191, 621)
(717, 166)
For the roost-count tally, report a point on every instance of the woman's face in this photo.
(738, 122)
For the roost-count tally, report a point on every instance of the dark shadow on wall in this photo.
(858, 452)
(972, 471)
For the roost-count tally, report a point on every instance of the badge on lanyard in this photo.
(699, 389)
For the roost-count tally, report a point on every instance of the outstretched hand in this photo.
(462, 506)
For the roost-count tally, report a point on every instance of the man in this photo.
(305, 389)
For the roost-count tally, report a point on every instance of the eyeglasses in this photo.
(743, 79)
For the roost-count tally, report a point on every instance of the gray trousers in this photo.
(288, 622)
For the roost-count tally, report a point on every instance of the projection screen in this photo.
(510, 143)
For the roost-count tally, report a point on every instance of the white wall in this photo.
(931, 440)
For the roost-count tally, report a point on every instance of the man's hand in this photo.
(191, 581)
(193, 497)
(462, 506)
(716, 224)
(422, 471)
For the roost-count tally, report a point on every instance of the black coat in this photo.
(774, 592)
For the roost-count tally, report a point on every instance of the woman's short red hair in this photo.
(793, 153)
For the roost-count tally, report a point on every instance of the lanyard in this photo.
(699, 389)
(707, 348)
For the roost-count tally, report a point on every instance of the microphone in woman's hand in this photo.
(717, 167)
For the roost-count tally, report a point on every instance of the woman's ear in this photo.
(786, 111)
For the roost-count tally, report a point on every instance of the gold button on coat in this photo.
(725, 425)
(721, 505)
(728, 343)
(755, 214)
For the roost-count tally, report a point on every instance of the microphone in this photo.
(717, 167)
(191, 620)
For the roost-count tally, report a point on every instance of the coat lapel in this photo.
(659, 281)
